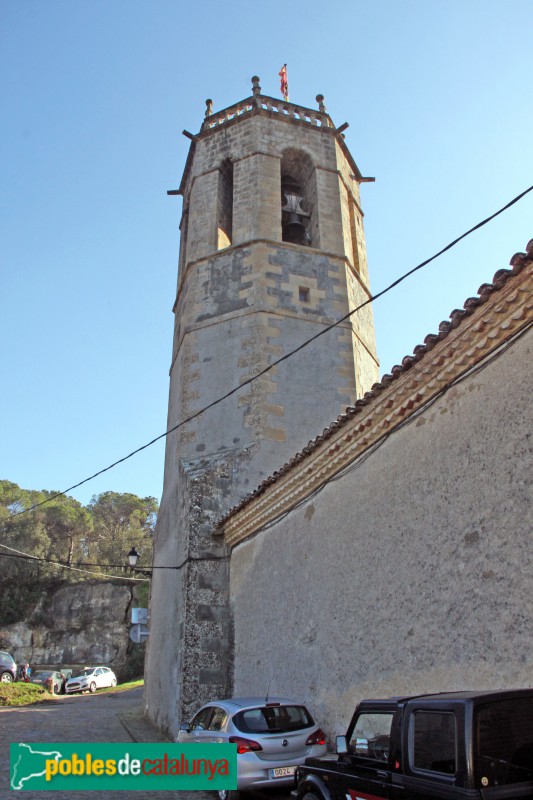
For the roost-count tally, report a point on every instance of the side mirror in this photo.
(185, 727)
(340, 745)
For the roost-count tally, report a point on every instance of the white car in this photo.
(90, 679)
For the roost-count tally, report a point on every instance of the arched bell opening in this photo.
(298, 195)
(225, 205)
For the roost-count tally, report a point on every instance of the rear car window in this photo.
(433, 741)
(273, 719)
(6, 657)
(503, 742)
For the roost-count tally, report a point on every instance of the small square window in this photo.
(303, 293)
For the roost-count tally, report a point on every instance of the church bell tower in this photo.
(272, 252)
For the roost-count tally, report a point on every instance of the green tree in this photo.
(119, 522)
(23, 579)
(64, 530)
(21, 533)
(69, 525)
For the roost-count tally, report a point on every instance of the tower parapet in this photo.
(269, 104)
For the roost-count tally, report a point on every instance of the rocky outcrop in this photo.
(82, 623)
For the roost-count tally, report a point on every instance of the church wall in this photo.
(347, 222)
(411, 573)
(202, 227)
(362, 267)
(257, 198)
(164, 656)
(364, 340)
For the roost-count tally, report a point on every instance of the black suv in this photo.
(449, 746)
(8, 668)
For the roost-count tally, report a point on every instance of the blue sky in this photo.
(94, 96)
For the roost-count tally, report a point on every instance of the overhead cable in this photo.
(275, 363)
(21, 554)
(333, 478)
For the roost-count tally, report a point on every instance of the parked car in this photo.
(53, 681)
(8, 667)
(90, 679)
(452, 746)
(273, 737)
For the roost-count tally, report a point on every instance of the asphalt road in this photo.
(86, 718)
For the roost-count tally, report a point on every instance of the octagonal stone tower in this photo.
(272, 252)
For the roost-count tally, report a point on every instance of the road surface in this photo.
(108, 717)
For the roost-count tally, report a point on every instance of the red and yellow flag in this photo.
(284, 83)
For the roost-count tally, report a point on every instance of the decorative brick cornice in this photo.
(502, 309)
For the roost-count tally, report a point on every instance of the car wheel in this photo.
(92, 687)
(113, 683)
(55, 688)
(6, 677)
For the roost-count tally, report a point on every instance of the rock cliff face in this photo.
(83, 623)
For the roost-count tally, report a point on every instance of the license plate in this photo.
(282, 772)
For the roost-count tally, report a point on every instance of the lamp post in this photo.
(133, 555)
(139, 629)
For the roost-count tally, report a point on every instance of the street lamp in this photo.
(133, 555)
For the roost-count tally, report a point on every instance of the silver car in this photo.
(272, 736)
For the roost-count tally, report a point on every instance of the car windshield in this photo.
(42, 675)
(273, 719)
(504, 742)
(84, 673)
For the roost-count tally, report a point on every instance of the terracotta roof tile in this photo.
(517, 262)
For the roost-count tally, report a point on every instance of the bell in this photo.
(294, 229)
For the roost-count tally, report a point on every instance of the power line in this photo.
(21, 554)
(360, 460)
(291, 353)
(27, 557)
(333, 478)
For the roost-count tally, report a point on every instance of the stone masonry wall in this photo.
(410, 573)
